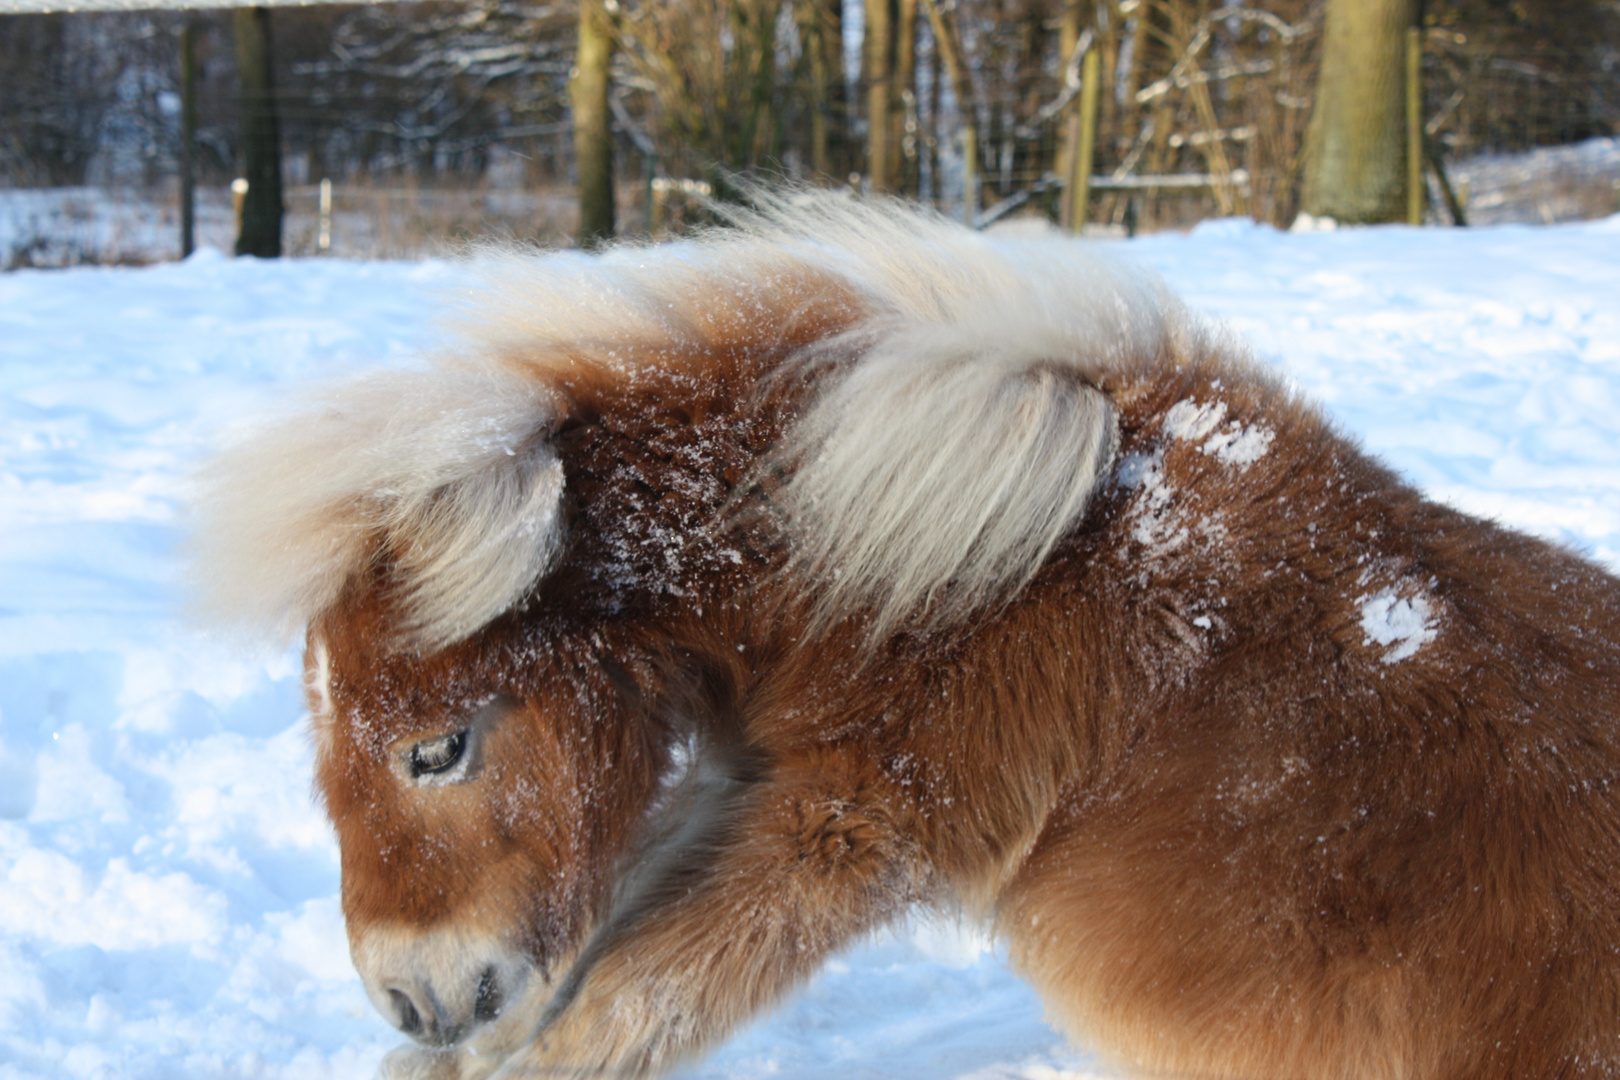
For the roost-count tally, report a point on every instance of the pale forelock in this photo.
(447, 472)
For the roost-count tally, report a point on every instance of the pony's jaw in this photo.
(446, 987)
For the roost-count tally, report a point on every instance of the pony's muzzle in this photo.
(418, 1012)
(439, 988)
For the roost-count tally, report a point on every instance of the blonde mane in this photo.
(959, 438)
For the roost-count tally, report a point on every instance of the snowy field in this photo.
(168, 892)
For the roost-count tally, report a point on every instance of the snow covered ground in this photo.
(168, 892)
(1550, 183)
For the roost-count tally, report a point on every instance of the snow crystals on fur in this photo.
(958, 434)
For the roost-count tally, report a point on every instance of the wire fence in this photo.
(449, 119)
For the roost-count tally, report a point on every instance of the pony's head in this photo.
(489, 558)
(523, 586)
(481, 767)
(480, 794)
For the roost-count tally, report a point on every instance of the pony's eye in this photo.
(437, 755)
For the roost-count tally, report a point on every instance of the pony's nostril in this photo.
(488, 1005)
(408, 1019)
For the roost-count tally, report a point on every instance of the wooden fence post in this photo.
(1080, 177)
(660, 199)
(1414, 126)
(323, 233)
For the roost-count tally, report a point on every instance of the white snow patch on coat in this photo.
(1235, 444)
(1190, 421)
(1239, 445)
(1405, 623)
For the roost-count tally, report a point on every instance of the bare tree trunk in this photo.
(936, 131)
(1080, 178)
(593, 138)
(1068, 37)
(879, 79)
(755, 20)
(825, 32)
(1355, 148)
(1108, 22)
(903, 150)
(1156, 51)
(261, 137)
(188, 137)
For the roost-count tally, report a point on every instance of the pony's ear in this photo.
(445, 479)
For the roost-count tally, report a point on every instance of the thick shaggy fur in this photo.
(887, 564)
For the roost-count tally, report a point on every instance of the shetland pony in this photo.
(718, 602)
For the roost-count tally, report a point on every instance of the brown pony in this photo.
(723, 600)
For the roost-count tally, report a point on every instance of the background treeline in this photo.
(467, 91)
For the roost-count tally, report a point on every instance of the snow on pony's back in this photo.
(972, 574)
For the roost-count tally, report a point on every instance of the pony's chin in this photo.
(419, 1063)
(423, 1063)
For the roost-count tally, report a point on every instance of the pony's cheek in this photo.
(527, 781)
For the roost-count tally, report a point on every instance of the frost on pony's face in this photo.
(475, 801)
